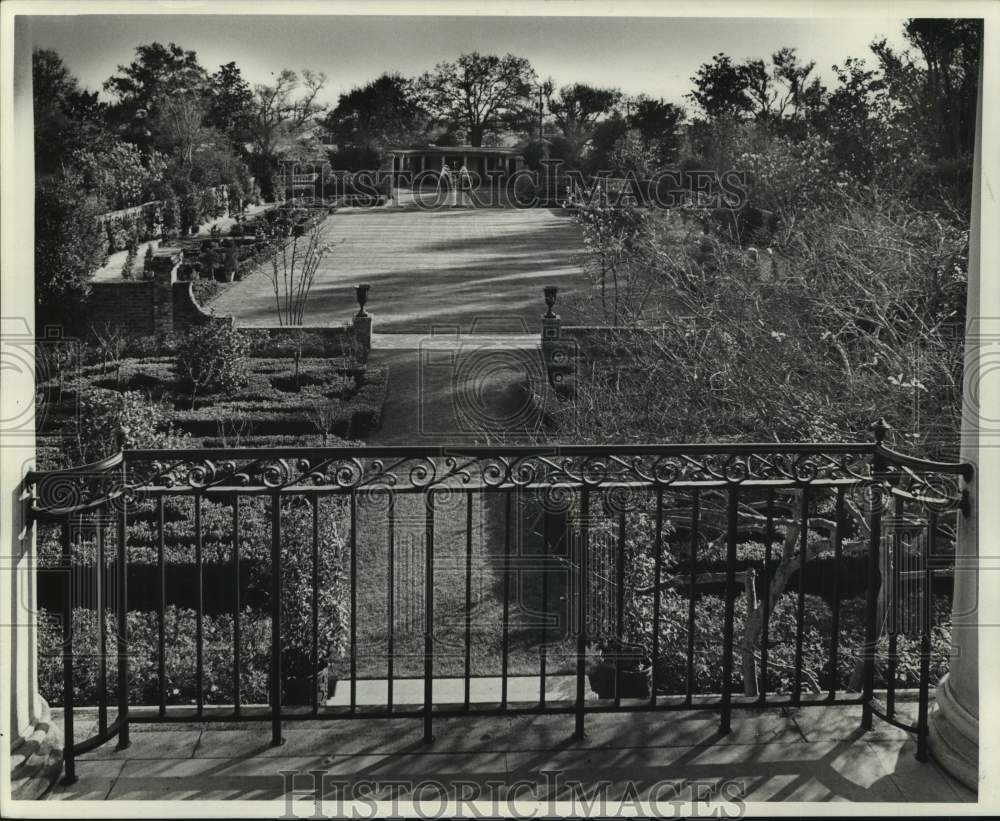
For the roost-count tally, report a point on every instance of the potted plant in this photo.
(621, 664)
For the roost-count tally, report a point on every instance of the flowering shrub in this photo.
(119, 174)
(213, 357)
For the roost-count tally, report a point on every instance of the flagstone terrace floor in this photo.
(810, 754)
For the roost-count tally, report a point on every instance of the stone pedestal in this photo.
(551, 326)
(362, 329)
(163, 269)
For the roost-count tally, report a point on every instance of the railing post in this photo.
(69, 756)
(727, 628)
(581, 613)
(429, 621)
(276, 739)
(879, 429)
(926, 616)
(123, 712)
(100, 595)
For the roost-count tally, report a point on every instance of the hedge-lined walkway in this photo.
(112, 269)
(472, 270)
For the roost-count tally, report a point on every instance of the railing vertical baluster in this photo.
(727, 639)
(102, 638)
(276, 739)
(838, 549)
(926, 625)
(800, 610)
(581, 614)
(199, 633)
(314, 700)
(69, 755)
(391, 601)
(161, 615)
(765, 639)
(692, 573)
(237, 638)
(429, 620)
(545, 603)
(505, 640)
(657, 574)
(354, 602)
(123, 712)
(871, 602)
(468, 601)
(896, 590)
(619, 603)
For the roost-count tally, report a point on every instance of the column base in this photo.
(953, 737)
(37, 760)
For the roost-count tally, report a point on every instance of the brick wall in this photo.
(125, 303)
(144, 307)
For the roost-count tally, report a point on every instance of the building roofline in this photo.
(455, 149)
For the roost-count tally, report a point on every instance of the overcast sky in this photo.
(655, 56)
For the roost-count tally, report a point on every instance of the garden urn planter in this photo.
(297, 691)
(625, 665)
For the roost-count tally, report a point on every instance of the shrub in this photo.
(296, 608)
(70, 245)
(108, 421)
(171, 217)
(213, 357)
(191, 213)
(181, 681)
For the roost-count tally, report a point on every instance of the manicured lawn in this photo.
(480, 269)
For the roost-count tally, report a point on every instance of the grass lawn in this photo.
(471, 269)
(487, 588)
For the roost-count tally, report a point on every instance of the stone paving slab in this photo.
(673, 756)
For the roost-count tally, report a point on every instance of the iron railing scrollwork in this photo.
(582, 540)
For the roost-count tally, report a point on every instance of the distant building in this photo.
(481, 160)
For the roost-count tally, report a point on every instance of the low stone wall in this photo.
(162, 305)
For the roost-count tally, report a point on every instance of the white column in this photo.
(954, 723)
(393, 193)
(36, 745)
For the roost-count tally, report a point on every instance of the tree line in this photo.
(168, 126)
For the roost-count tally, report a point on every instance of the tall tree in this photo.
(282, 115)
(157, 74)
(230, 99)
(67, 117)
(369, 118)
(656, 123)
(801, 95)
(951, 50)
(720, 88)
(576, 109)
(482, 93)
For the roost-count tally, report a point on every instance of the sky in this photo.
(655, 56)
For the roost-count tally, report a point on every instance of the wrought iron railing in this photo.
(586, 545)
